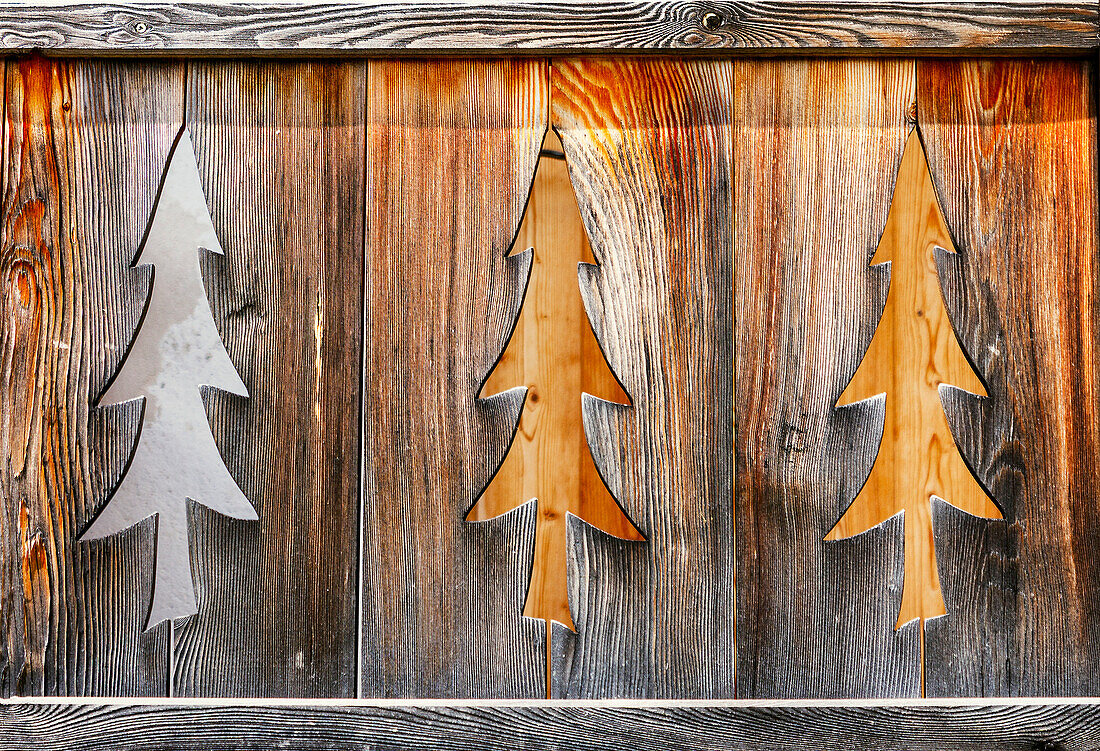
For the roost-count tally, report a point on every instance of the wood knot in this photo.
(23, 281)
(34, 551)
(25, 232)
(712, 21)
(34, 555)
(792, 438)
(247, 311)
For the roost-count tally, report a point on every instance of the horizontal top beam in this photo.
(501, 26)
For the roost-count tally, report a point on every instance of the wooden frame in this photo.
(653, 26)
(994, 725)
(310, 28)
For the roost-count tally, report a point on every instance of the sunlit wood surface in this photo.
(553, 353)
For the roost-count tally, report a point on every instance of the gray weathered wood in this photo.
(490, 726)
(85, 146)
(280, 148)
(498, 25)
(1012, 152)
(817, 146)
(452, 149)
(648, 148)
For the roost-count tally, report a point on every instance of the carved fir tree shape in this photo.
(913, 352)
(555, 355)
(176, 353)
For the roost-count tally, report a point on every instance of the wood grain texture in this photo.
(913, 351)
(817, 147)
(280, 149)
(561, 26)
(84, 148)
(490, 726)
(1012, 151)
(452, 149)
(554, 354)
(648, 146)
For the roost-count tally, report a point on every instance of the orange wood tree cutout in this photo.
(554, 354)
(914, 350)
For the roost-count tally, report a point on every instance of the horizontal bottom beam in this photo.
(53, 725)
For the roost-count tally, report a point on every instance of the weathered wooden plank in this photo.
(84, 148)
(452, 149)
(913, 351)
(280, 148)
(500, 26)
(552, 352)
(817, 146)
(1012, 151)
(730, 726)
(648, 145)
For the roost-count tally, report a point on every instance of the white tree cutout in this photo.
(177, 350)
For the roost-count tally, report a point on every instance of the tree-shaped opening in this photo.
(913, 352)
(555, 355)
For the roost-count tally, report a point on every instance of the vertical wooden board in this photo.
(817, 145)
(452, 147)
(648, 146)
(1011, 146)
(84, 147)
(280, 147)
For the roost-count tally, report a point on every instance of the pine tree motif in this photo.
(913, 352)
(177, 351)
(553, 352)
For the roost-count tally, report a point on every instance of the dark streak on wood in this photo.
(280, 149)
(1012, 151)
(452, 149)
(817, 147)
(85, 145)
(649, 726)
(648, 147)
(635, 25)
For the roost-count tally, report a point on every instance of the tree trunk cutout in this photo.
(914, 350)
(176, 354)
(553, 353)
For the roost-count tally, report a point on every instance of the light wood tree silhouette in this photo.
(913, 351)
(176, 354)
(554, 353)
